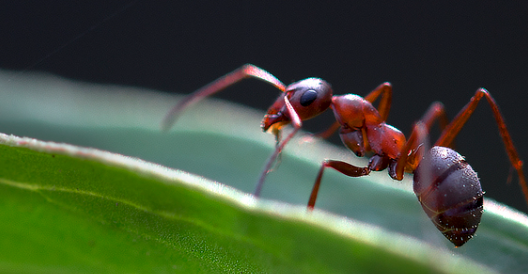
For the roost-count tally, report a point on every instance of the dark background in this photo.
(428, 51)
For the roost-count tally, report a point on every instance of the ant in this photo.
(445, 184)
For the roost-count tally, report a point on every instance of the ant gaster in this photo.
(446, 186)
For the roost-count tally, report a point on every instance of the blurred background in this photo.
(428, 51)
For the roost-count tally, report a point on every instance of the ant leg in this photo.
(385, 90)
(278, 160)
(328, 132)
(452, 130)
(426, 185)
(435, 112)
(345, 168)
(324, 134)
(297, 124)
(408, 154)
(219, 84)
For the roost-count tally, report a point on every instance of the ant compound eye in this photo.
(308, 97)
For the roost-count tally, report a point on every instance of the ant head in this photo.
(309, 98)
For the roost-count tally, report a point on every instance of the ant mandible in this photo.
(446, 186)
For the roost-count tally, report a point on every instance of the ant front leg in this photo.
(345, 168)
(297, 124)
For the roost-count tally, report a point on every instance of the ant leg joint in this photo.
(378, 162)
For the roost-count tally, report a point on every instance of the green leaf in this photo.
(71, 209)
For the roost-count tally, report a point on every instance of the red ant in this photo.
(446, 186)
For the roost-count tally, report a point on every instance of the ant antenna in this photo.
(219, 84)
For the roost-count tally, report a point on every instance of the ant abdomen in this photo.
(450, 194)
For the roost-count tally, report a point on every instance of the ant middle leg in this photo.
(385, 91)
(410, 155)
